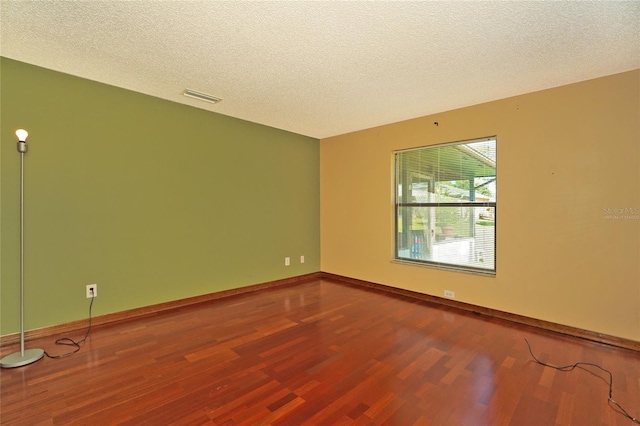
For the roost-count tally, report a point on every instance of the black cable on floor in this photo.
(67, 341)
(578, 364)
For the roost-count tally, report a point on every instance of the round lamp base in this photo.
(17, 359)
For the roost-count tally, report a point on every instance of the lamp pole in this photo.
(24, 357)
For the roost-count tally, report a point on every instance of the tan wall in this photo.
(564, 156)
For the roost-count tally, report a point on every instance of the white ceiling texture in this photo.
(323, 68)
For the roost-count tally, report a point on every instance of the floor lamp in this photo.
(24, 357)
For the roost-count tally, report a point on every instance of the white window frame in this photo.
(427, 239)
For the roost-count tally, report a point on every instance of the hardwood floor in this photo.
(319, 353)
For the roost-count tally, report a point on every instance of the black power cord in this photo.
(67, 341)
(578, 364)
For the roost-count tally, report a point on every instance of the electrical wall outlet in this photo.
(450, 294)
(301, 259)
(287, 261)
(92, 290)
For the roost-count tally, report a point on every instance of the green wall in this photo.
(152, 200)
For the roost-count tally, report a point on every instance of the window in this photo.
(445, 205)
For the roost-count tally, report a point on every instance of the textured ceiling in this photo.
(326, 68)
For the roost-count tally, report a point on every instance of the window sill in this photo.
(426, 264)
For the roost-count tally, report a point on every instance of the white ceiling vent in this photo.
(201, 96)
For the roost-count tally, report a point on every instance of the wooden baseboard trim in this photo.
(9, 339)
(12, 338)
(520, 319)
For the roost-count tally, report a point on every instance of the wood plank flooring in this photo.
(319, 353)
